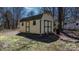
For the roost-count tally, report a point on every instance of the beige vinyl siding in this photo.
(23, 28)
(42, 26)
(46, 17)
(35, 28)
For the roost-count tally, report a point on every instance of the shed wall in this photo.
(22, 28)
(46, 17)
(35, 28)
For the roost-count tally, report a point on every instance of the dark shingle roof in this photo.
(32, 17)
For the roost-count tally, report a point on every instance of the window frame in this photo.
(22, 24)
(34, 22)
(77, 24)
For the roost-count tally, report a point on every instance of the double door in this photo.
(47, 26)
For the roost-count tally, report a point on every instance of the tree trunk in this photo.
(60, 20)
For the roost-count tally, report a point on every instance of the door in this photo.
(28, 26)
(50, 26)
(47, 26)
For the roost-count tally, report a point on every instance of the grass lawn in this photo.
(18, 43)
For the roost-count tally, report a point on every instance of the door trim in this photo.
(28, 27)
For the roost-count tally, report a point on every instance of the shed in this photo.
(38, 24)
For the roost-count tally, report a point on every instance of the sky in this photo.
(37, 10)
(34, 10)
(30, 11)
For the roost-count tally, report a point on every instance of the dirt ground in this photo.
(9, 41)
(9, 32)
(18, 43)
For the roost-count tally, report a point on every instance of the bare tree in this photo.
(2, 17)
(17, 14)
(8, 18)
(60, 19)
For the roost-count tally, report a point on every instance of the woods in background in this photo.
(10, 16)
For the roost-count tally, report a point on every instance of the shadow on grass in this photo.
(42, 38)
(77, 38)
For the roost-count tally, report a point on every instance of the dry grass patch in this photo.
(16, 43)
